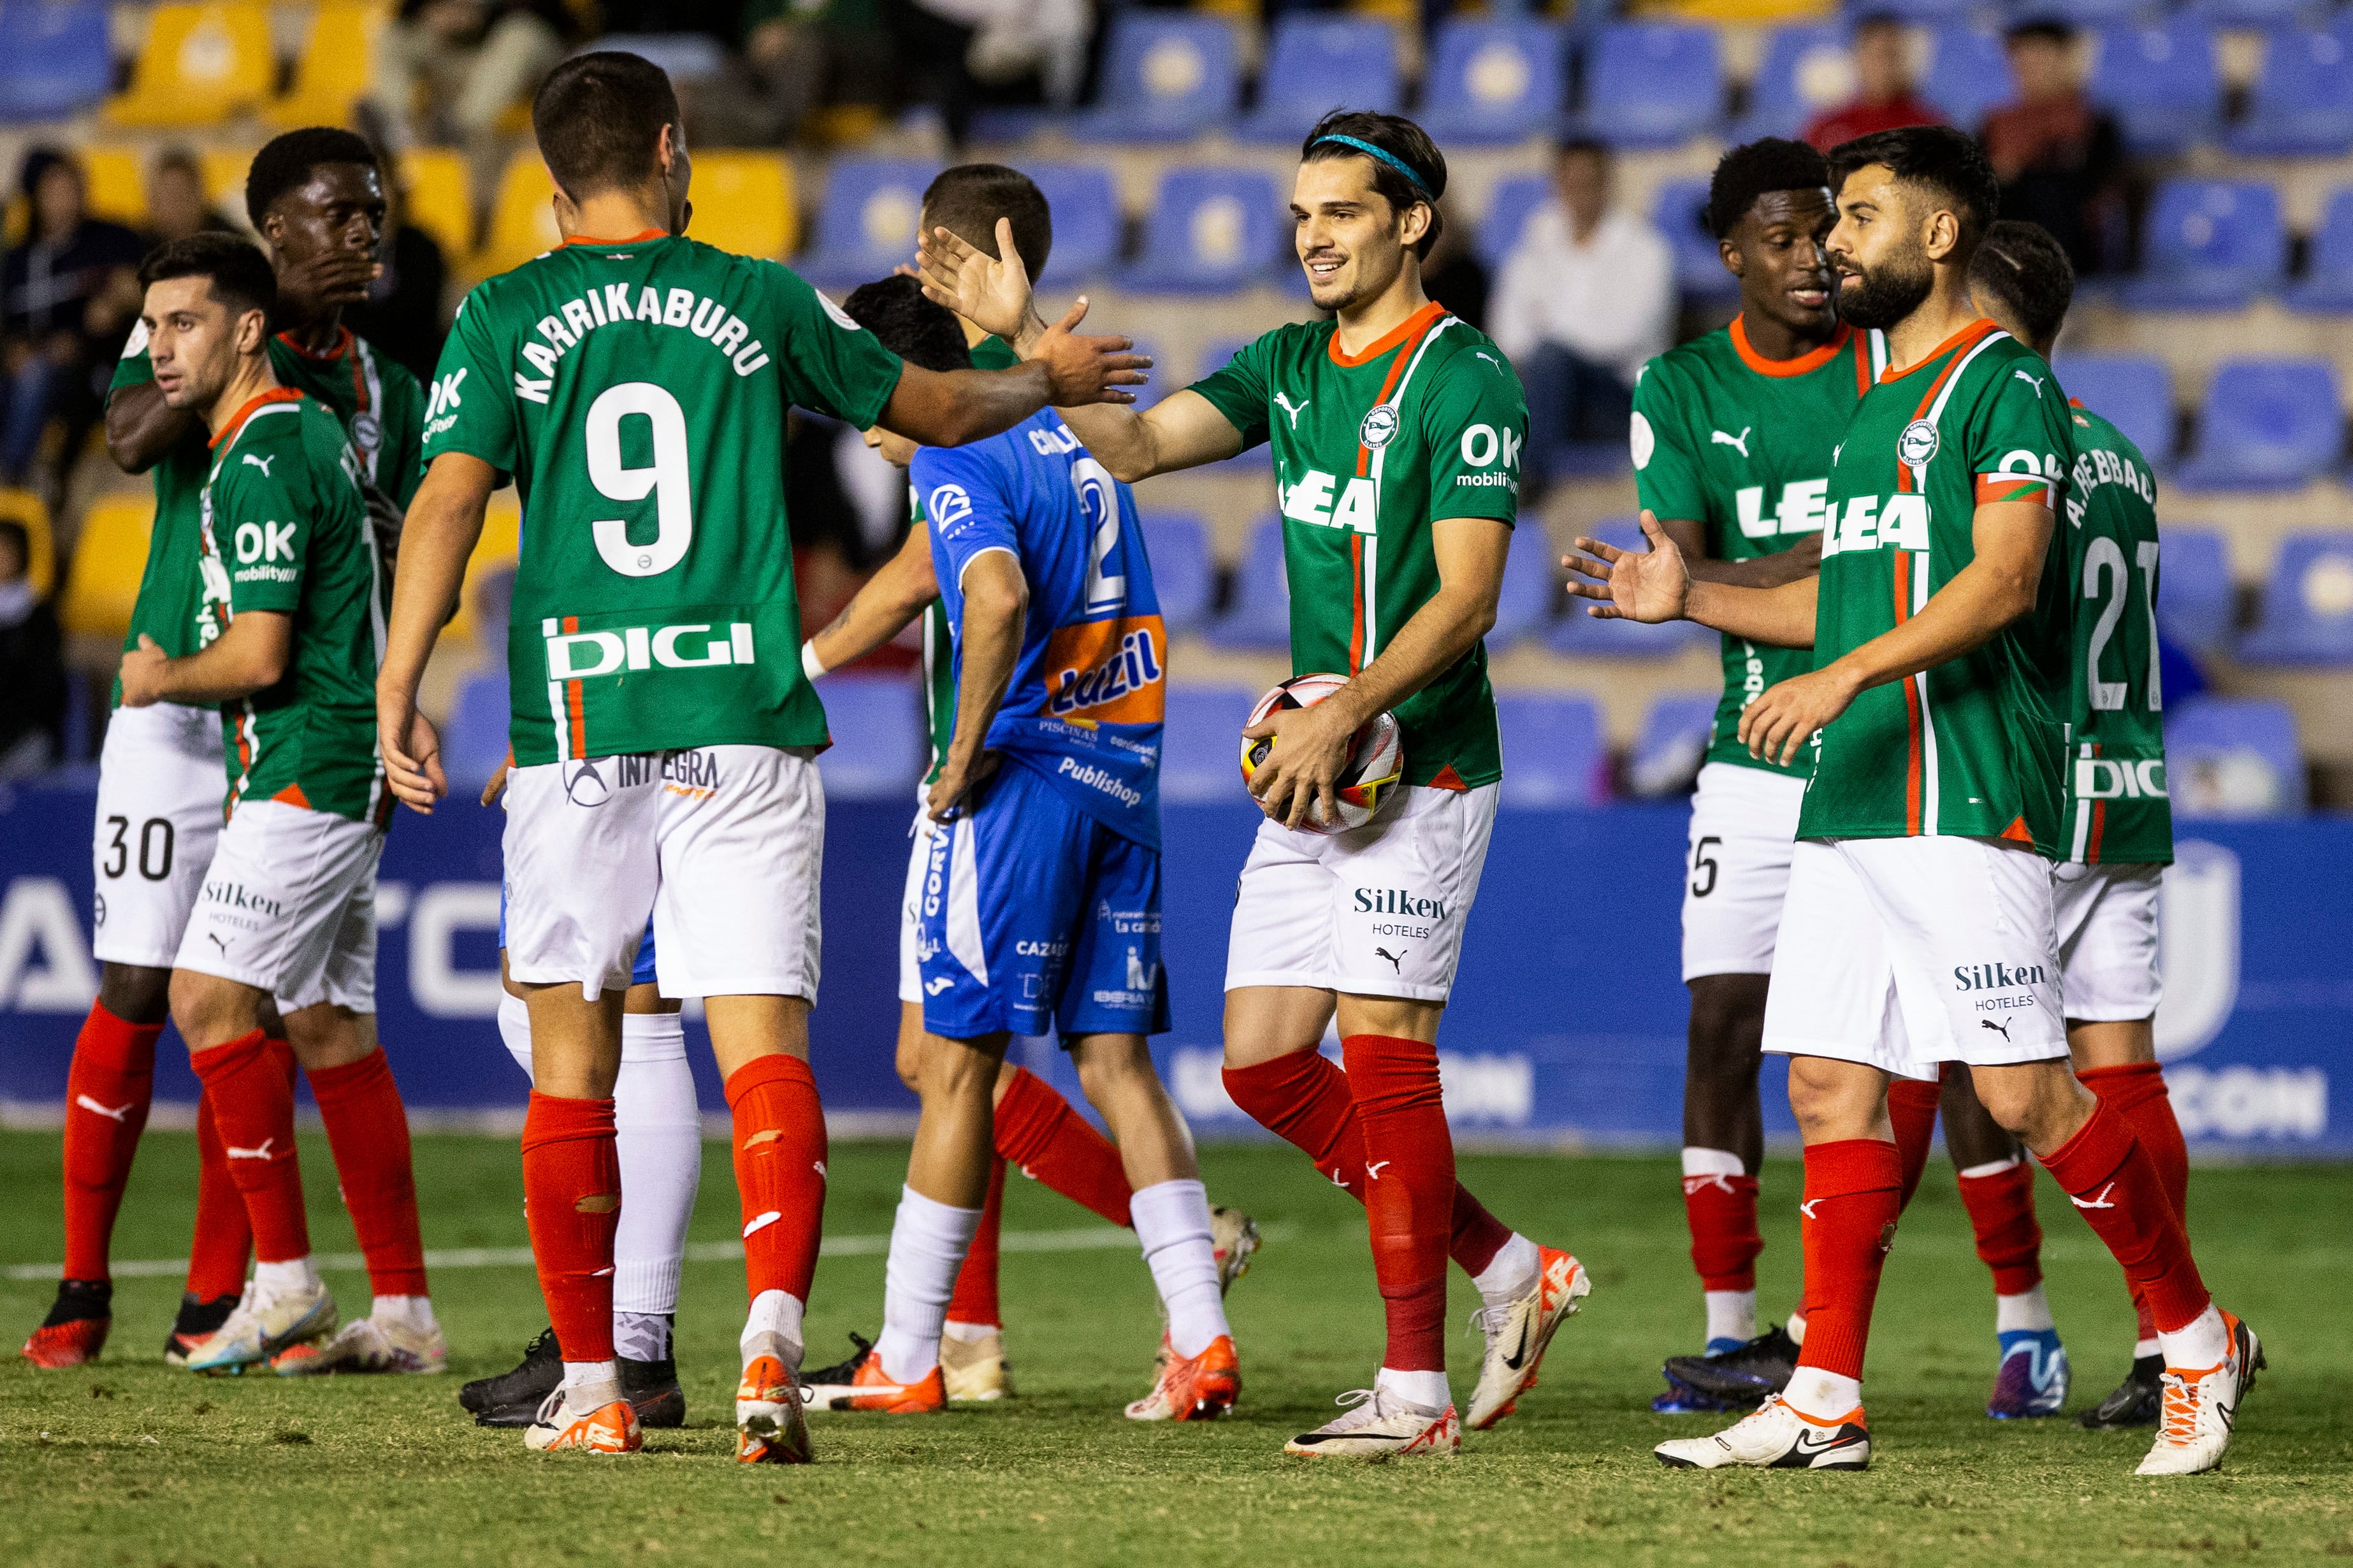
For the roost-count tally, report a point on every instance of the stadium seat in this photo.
(2303, 101)
(1200, 746)
(1085, 205)
(876, 723)
(1554, 755)
(522, 217)
(743, 204)
(439, 200)
(2209, 245)
(1579, 635)
(336, 64)
(2247, 13)
(1968, 74)
(1259, 617)
(2307, 616)
(1509, 207)
(866, 225)
(26, 509)
(117, 184)
(2132, 392)
(474, 740)
(1676, 731)
(2161, 85)
(1183, 573)
(56, 59)
(1531, 591)
(2233, 756)
(2197, 598)
(1806, 71)
(1680, 210)
(1653, 84)
(2268, 424)
(1312, 64)
(2327, 284)
(1211, 230)
(1928, 12)
(109, 558)
(1493, 82)
(1167, 79)
(204, 63)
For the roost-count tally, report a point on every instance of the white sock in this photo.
(1731, 1315)
(590, 1384)
(271, 1280)
(641, 1336)
(928, 1241)
(1795, 1328)
(778, 1314)
(1991, 1168)
(1698, 1162)
(2027, 1311)
(2144, 1349)
(515, 1029)
(1427, 1390)
(1824, 1395)
(1510, 1274)
(2204, 1343)
(412, 1312)
(968, 1333)
(1172, 1221)
(658, 1129)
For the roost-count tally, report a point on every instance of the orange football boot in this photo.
(770, 1428)
(870, 1389)
(610, 1428)
(1196, 1388)
(68, 1344)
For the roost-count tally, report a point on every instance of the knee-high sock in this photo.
(1409, 1190)
(2118, 1189)
(780, 1155)
(109, 1088)
(1172, 1221)
(1041, 1135)
(253, 1106)
(367, 1128)
(2000, 1201)
(223, 1240)
(572, 1198)
(2137, 1091)
(658, 1129)
(1853, 1195)
(1912, 1112)
(927, 1245)
(975, 1302)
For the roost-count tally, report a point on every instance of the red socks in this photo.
(108, 1089)
(780, 1154)
(572, 1198)
(368, 1130)
(2136, 1092)
(1409, 1190)
(975, 1300)
(1039, 1134)
(1912, 1111)
(224, 1238)
(253, 1107)
(2117, 1188)
(1854, 1193)
(2009, 1239)
(1722, 1210)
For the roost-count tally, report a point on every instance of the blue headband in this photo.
(1391, 159)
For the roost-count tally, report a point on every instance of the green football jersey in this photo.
(1741, 445)
(637, 390)
(2118, 809)
(1369, 450)
(1975, 746)
(285, 530)
(380, 404)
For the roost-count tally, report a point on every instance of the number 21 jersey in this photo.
(636, 390)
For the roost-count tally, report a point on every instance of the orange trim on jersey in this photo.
(236, 420)
(2018, 832)
(1992, 487)
(1412, 326)
(1405, 338)
(342, 345)
(575, 711)
(292, 795)
(640, 238)
(2099, 819)
(1959, 340)
(1862, 365)
(1812, 361)
(1448, 779)
(1913, 767)
(2074, 403)
(347, 342)
(1356, 630)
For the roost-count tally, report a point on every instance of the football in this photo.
(1375, 757)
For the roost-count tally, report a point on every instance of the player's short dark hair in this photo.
(285, 163)
(894, 310)
(1402, 139)
(2021, 265)
(968, 199)
(240, 275)
(1947, 161)
(1748, 172)
(2040, 30)
(599, 121)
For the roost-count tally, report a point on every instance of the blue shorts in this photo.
(643, 974)
(1035, 919)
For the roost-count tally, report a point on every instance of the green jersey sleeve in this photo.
(262, 530)
(467, 410)
(1475, 419)
(1668, 478)
(134, 368)
(401, 467)
(2020, 444)
(831, 364)
(1239, 390)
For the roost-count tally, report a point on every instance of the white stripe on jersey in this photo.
(547, 629)
(1929, 793)
(1373, 554)
(373, 380)
(2083, 820)
(1878, 355)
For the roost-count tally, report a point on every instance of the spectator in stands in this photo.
(32, 666)
(1884, 99)
(958, 53)
(67, 297)
(176, 207)
(448, 71)
(1585, 299)
(1453, 273)
(2059, 158)
(402, 315)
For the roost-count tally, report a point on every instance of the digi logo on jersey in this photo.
(2119, 778)
(1108, 671)
(582, 656)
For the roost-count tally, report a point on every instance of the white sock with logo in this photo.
(2199, 1346)
(1172, 1221)
(1426, 1389)
(1510, 1274)
(1795, 1327)
(658, 1129)
(1824, 1395)
(1731, 1315)
(2028, 1311)
(928, 1242)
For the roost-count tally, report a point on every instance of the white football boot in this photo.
(1776, 1437)
(2200, 1408)
(1518, 1332)
(367, 1345)
(608, 1428)
(1382, 1426)
(262, 1325)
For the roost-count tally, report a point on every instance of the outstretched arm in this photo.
(1661, 586)
(445, 521)
(882, 608)
(1801, 560)
(948, 408)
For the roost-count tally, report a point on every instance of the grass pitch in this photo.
(130, 1463)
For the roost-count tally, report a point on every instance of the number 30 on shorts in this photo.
(156, 836)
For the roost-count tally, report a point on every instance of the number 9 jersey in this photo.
(636, 390)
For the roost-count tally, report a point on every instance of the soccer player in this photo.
(2118, 835)
(635, 383)
(1919, 926)
(292, 618)
(1396, 432)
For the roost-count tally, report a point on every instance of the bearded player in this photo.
(1397, 433)
(635, 383)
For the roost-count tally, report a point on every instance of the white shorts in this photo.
(160, 789)
(1905, 954)
(289, 907)
(1736, 874)
(1375, 912)
(722, 845)
(911, 901)
(2107, 920)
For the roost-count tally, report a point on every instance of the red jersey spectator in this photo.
(1884, 99)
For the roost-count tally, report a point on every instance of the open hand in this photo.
(1777, 725)
(1629, 587)
(1301, 770)
(992, 292)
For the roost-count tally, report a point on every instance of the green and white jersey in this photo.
(1369, 450)
(1741, 445)
(380, 404)
(1975, 746)
(2117, 810)
(285, 530)
(637, 390)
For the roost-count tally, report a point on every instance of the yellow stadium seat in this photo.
(522, 217)
(202, 64)
(108, 561)
(743, 202)
(117, 184)
(500, 541)
(224, 171)
(335, 68)
(41, 546)
(440, 200)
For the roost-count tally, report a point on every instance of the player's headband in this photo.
(1385, 156)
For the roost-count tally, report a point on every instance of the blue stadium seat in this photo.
(1578, 633)
(2197, 597)
(1532, 592)
(474, 740)
(2209, 245)
(1211, 230)
(1968, 74)
(2247, 13)
(879, 751)
(1165, 79)
(1183, 574)
(1202, 744)
(1807, 69)
(56, 59)
(1509, 205)
(2307, 616)
(1492, 82)
(2303, 101)
(2132, 392)
(2233, 756)
(1259, 618)
(1085, 204)
(1680, 209)
(1653, 84)
(1930, 12)
(1315, 62)
(2161, 84)
(2088, 13)
(866, 225)
(2327, 284)
(1553, 753)
(1676, 729)
(2268, 424)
